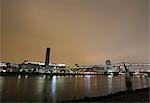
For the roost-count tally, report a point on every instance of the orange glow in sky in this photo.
(77, 31)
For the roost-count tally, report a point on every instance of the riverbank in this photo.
(132, 96)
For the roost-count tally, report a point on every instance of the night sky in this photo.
(0, 30)
(77, 31)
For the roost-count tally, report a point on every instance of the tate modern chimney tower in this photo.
(47, 57)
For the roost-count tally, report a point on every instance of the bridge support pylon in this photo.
(128, 78)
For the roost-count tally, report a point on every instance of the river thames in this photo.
(61, 88)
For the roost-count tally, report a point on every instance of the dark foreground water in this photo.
(59, 88)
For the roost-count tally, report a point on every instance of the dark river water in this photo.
(59, 88)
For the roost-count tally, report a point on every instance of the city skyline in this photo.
(78, 32)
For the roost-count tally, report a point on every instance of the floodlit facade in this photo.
(43, 64)
(2, 64)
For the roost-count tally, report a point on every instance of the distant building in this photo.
(2, 64)
(108, 62)
(31, 66)
(109, 67)
(47, 57)
(43, 64)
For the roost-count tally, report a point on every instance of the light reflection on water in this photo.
(53, 86)
(60, 88)
(110, 84)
